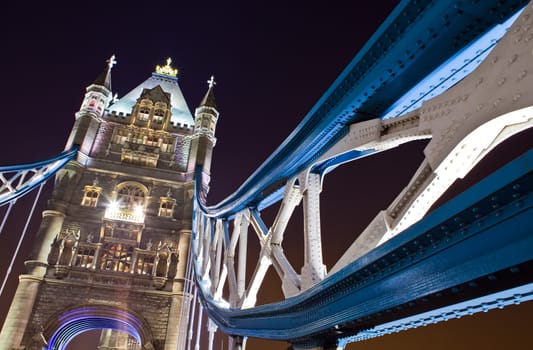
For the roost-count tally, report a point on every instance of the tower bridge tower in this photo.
(112, 246)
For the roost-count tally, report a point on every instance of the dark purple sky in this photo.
(272, 61)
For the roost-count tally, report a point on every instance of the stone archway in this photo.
(67, 324)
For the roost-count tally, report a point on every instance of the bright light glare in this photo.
(138, 211)
(113, 207)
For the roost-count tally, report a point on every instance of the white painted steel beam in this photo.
(314, 269)
(466, 122)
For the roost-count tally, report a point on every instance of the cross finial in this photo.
(211, 82)
(111, 61)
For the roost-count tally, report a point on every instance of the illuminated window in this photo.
(159, 116)
(131, 195)
(116, 257)
(166, 208)
(128, 203)
(139, 158)
(92, 101)
(85, 257)
(167, 145)
(152, 141)
(90, 196)
(137, 138)
(144, 113)
(145, 264)
(120, 136)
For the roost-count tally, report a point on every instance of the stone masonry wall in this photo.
(56, 296)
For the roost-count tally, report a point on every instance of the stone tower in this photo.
(112, 246)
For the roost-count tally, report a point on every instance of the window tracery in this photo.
(116, 257)
(85, 257)
(128, 203)
(159, 116)
(90, 196)
(144, 113)
(131, 195)
(166, 205)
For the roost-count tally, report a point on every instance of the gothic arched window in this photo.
(145, 264)
(152, 141)
(159, 116)
(85, 257)
(116, 257)
(131, 195)
(90, 196)
(167, 145)
(128, 202)
(144, 112)
(166, 208)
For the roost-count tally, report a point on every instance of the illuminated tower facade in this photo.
(112, 246)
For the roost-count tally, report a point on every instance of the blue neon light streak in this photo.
(77, 321)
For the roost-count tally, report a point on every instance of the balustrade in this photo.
(88, 256)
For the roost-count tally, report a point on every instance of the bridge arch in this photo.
(69, 323)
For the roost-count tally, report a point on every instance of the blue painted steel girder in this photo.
(40, 173)
(481, 238)
(414, 40)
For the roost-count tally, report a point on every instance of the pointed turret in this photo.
(203, 141)
(104, 79)
(99, 92)
(97, 97)
(209, 98)
(206, 114)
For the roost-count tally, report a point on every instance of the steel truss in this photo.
(18, 180)
(464, 123)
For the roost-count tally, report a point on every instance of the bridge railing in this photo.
(412, 270)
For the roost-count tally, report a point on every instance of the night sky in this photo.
(272, 61)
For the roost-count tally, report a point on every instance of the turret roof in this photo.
(104, 79)
(209, 98)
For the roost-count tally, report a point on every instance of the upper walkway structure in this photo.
(456, 73)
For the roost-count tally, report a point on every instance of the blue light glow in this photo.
(75, 322)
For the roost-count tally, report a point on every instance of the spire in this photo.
(104, 79)
(209, 98)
